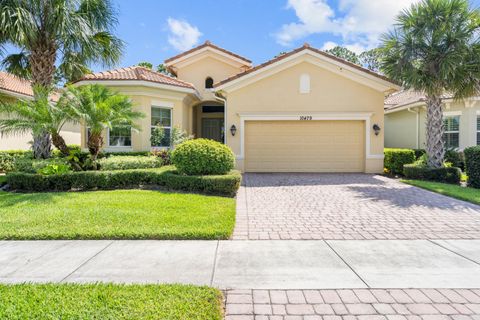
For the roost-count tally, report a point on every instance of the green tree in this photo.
(371, 59)
(57, 39)
(344, 53)
(146, 64)
(37, 116)
(434, 48)
(98, 108)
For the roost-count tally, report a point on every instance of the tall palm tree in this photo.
(99, 108)
(58, 37)
(435, 48)
(39, 116)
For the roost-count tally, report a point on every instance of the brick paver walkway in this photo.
(361, 304)
(348, 206)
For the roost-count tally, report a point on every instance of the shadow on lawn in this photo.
(8, 199)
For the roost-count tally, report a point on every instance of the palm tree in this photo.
(99, 108)
(435, 48)
(37, 116)
(57, 37)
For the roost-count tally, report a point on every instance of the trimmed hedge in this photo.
(395, 159)
(203, 156)
(419, 153)
(28, 165)
(446, 174)
(472, 166)
(129, 162)
(7, 158)
(89, 180)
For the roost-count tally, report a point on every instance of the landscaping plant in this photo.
(472, 166)
(57, 39)
(434, 48)
(203, 157)
(395, 159)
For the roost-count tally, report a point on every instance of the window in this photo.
(208, 83)
(452, 131)
(212, 109)
(478, 130)
(120, 137)
(162, 118)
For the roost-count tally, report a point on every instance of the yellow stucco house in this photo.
(13, 88)
(303, 111)
(405, 121)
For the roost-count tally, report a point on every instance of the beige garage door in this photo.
(304, 146)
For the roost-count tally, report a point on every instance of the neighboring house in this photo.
(405, 121)
(13, 88)
(304, 111)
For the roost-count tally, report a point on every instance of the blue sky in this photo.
(257, 29)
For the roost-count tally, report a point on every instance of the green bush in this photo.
(203, 157)
(164, 155)
(73, 148)
(456, 158)
(129, 162)
(28, 165)
(88, 180)
(472, 166)
(421, 172)
(419, 153)
(395, 159)
(7, 158)
(54, 169)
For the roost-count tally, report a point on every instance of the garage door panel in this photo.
(310, 146)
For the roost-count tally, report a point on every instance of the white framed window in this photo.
(451, 135)
(162, 118)
(478, 130)
(120, 137)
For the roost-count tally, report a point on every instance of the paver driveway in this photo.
(348, 206)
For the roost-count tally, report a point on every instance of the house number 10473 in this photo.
(306, 118)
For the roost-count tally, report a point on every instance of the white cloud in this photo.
(183, 36)
(359, 23)
(329, 45)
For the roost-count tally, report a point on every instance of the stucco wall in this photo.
(329, 93)
(400, 127)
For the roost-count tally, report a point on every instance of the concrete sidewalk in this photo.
(248, 264)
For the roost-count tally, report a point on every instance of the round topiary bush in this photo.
(203, 157)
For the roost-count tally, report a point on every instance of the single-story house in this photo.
(405, 121)
(303, 111)
(13, 88)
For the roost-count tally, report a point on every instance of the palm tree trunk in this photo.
(60, 144)
(42, 145)
(42, 64)
(95, 143)
(435, 143)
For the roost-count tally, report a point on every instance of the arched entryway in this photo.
(209, 117)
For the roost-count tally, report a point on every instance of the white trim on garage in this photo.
(297, 116)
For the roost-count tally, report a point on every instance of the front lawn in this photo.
(109, 301)
(118, 214)
(467, 194)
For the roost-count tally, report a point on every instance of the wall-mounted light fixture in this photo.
(376, 128)
(233, 130)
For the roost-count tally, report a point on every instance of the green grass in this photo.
(118, 214)
(463, 193)
(109, 301)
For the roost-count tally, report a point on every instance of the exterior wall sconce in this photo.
(233, 130)
(376, 129)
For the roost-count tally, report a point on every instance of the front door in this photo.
(212, 128)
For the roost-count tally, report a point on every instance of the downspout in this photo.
(224, 116)
(417, 120)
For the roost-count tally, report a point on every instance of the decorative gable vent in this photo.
(305, 83)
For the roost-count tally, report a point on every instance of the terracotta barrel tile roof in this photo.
(306, 46)
(137, 73)
(204, 45)
(14, 84)
(407, 97)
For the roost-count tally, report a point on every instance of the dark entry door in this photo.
(212, 128)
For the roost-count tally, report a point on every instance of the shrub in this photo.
(87, 180)
(164, 155)
(7, 158)
(129, 162)
(395, 159)
(203, 157)
(422, 172)
(54, 169)
(456, 158)
(73, 148)
(419, 153)
(29, 165)
(472, 166)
